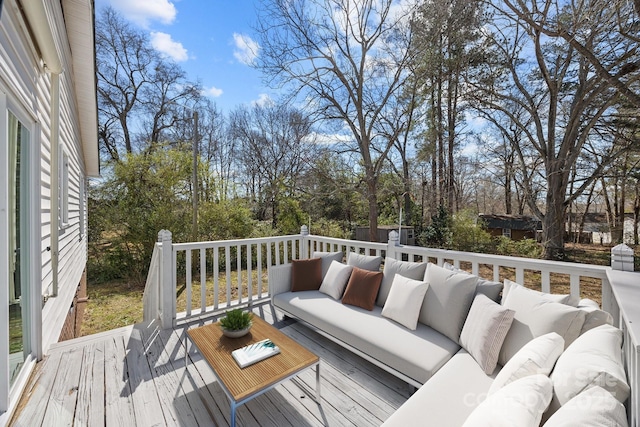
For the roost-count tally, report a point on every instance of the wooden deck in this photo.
(136, 376)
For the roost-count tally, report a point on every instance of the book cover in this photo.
(250, 354)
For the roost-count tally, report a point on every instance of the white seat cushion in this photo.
(417, 354)
(447, 399)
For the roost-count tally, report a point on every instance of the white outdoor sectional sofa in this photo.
(478, 354)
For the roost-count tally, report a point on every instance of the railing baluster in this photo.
(239, 271)
(277, 249)
(227, 252)
(249, 275)
(259, 268)
(285, 243)
(475, 267)
(574, 281)
(203, 280)
(188, 281)
(216, 277)
(520, 275)
(496, 273)
(269, 257)
(546, 281)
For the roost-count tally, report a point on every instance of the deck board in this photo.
(137, 377)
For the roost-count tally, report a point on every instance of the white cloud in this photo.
(163, 43)
(263, 99)
(329, 139)
(213, 92)
(246, 48)
(145, 11)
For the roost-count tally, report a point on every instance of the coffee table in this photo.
(243, 384)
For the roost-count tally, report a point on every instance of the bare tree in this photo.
(138, 89)
(349, 59)
(274, 148)
(561, 99)
(618, 63)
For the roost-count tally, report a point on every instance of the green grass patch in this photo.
(111, 305)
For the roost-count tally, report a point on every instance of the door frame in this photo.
(33, 271)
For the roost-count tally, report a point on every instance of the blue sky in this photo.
(210, 39)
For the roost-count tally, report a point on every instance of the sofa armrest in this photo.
(279, 279)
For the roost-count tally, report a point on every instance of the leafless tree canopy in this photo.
(348, 60)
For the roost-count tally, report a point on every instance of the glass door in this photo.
(18, 136)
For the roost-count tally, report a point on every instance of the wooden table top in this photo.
(244, 382)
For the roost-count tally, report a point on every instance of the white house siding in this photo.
(25, 82)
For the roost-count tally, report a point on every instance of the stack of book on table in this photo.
(250, 354)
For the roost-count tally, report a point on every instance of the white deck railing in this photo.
(215, 276)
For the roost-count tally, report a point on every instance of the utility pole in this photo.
(194, 177)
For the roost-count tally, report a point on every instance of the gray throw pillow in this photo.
(447, 301)
(327, 257)
(365, 262)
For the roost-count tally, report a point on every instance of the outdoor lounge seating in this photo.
(457, 359)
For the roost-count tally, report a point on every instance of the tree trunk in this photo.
(636, 213)
(553, 221)
(373, 206)
(507, 187)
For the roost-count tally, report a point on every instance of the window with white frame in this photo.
(506, 232)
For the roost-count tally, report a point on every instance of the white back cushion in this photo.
(520, 404)
(594, 359)
(447, 301)
(537, 357)
(536, 316)
(595, 407)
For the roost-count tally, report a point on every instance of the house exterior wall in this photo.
(26, 85)
(515, 234)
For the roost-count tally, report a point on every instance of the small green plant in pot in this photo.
(236, 323)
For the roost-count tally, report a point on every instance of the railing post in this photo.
(304, 239)
(167, 285)
(394, 241)
(622, 258)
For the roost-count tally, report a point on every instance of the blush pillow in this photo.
(306, 274)
(362, 288)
